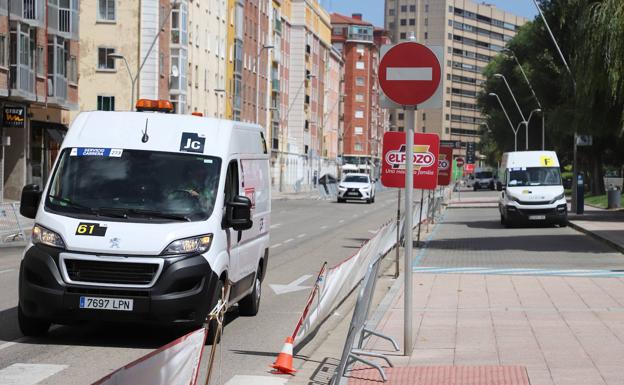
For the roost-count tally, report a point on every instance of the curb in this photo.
(597, 237)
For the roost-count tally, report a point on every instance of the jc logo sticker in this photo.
(192, 142)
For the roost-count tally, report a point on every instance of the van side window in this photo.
(231, 181)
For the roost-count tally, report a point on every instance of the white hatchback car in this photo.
(356, 187)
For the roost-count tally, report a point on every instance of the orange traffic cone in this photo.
(284, 361)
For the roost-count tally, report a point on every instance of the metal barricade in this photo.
(12, 225)
(357, 328)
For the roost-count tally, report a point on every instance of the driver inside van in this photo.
(197, 184)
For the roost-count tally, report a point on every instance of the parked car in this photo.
(356, 187)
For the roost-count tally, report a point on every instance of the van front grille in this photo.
(117, 273)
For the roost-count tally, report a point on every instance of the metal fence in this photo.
(13, 226)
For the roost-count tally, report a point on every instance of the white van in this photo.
(531, 189)
(144, 219)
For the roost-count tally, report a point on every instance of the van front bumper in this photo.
(556, 214)
(183, 293)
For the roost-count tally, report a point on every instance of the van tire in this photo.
(250, 305)
(211, 335)
(32, 327)
(340, 200)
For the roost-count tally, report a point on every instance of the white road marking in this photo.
(28, 374)
(323, 227)
(409, 73)
(373, 231)
(256, 380)
(291, 287)
(341, 221)
(275, 246)
(301, 235)
(6, 271)
(289, 240)
(355, 216)
(275, 226)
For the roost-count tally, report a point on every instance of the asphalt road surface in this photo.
(304, 234)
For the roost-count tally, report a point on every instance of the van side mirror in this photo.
(238, 213)
(31, 196)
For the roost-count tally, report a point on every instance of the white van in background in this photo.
(532, 191)
(145, 218)
(484, 178)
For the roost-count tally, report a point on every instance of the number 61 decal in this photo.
(92, 229)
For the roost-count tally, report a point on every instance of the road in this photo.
(304, 234)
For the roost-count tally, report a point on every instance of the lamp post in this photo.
(526, 78)
(118, 56)
(258, 78)
(524, 121)
(515, 130)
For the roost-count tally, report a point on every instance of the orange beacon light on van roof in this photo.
(143, 105)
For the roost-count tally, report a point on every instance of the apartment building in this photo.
(207, 30)
(471, 34)
(146, 63)
(39, 52)
(359, 43)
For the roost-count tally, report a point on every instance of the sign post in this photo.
(409, 75)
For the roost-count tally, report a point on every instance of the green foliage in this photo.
(591, 36)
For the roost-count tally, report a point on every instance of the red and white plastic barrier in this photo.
(176, 363)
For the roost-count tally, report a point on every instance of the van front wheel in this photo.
(32, 327)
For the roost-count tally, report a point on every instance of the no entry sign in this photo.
(460, 162)
(426, 151)
(445, 166)
(409, 73)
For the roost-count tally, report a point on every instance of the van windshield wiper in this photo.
(122, 212)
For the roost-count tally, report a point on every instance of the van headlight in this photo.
(199, 244)
(46, 237)
(513, 198)
(558, 197)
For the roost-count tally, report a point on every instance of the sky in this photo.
(373, 10)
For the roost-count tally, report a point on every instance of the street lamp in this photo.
(524, 121)
(258, 77)
(513, 54)
(515, 131)
(118, 56)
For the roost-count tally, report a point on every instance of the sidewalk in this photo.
(605, 225)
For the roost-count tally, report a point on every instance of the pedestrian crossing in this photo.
(520, 271)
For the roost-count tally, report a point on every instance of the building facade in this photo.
(39, 53)
(359, 43)
(471, 34)
(207, 57)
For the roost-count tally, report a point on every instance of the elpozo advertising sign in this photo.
(13, 116)
(426, 154)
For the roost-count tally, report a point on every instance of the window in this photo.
(359, 65)
(359, 97)
(401, 116)
(413, 21)
(106, 10)
(403, 21)
(359, 114)
(359, 81)
(105, 62)
(360, 49)
(3, 51)
(105, 103)
(426, 7)
(358, 147)
(40, 61)
(73, 69)
(359, 130)
(403, 36)
(412, 8)
(391, 12)
(404, 8)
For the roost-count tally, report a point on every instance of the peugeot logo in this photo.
(114, 243)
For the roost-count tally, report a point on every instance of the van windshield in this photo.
(484, 175)
(534, 176)
(142, 185)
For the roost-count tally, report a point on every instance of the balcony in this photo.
(57, 88)
(22, 81)
(360, 37)
(28, 10)
(63, 20)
